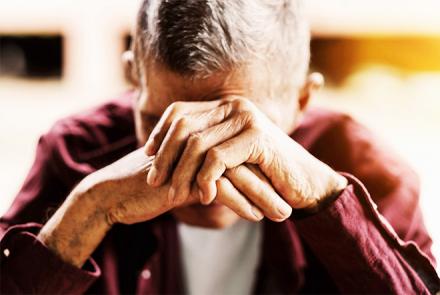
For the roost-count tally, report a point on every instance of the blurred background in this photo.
(381, 60)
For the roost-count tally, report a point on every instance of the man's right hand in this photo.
(119, 193)
(124, 194)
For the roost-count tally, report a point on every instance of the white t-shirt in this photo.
(220, 261)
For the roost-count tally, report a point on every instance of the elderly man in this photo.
(212, 178)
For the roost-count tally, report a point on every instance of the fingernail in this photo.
(152, 176)
(285, 210)
(257, 212)
(202, 199)
(149, 148)
(171, 195)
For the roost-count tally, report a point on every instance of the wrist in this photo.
(336, 184)
(78, 226)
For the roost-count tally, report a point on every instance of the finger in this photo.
(230, 154)
(195, 150)
(172, 113)
(147, 206)
(229, 196)
(192, 198)
(257, 188)
(175, 141)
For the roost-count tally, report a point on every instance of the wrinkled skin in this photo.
(220, 135)
(222, 138)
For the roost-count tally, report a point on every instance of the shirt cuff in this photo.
(356, 244)
(28, 266)
(298, 214)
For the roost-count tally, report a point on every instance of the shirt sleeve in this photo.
(361, 251)
(28, 266)
(73, 148)
(49, 181)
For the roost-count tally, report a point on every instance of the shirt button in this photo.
(6, 252)
(146, 274)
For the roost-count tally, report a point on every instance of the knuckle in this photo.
(249, 117)
(241, 103)
(182, 123)
(230, 173)
(262, 192)
(214, 155)
(196, 141)
(176, 107)
(235, 171)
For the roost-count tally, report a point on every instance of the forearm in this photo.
(360, 252)
(78, 226)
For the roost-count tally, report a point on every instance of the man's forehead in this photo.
(165, 87)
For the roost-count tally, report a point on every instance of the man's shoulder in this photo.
(346, 145)
(332, 134)
(94, 137)
(316, 121)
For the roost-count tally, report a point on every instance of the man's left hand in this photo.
(203, 140)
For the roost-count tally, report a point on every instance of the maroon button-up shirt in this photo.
(371, 239)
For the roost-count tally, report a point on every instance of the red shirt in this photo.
(345, 248)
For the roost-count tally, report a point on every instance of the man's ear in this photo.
(314, 82)
(129, 68)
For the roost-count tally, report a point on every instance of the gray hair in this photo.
(197, 38)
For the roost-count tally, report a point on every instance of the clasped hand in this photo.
(230, 144)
